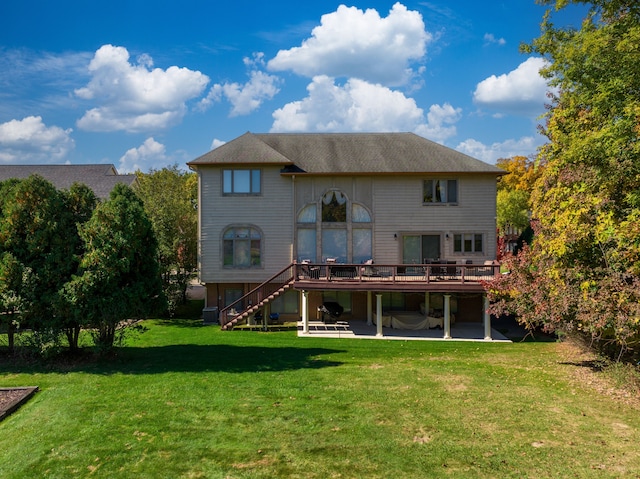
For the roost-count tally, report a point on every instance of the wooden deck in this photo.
(445, 277)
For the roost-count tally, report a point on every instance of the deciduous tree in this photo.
(583, 264)
(170, 201)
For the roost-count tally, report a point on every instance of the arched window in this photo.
(242, 247)
(342, 232)
(334, 207)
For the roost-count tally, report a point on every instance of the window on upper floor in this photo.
(334, 207)
(467, 243)
(440, 191)
(242, 247)
(241, 182)
(334, 227)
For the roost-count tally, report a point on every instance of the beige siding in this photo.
(394, 201)
(398, 209)
(271, 212)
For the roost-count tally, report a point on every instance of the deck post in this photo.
(486, 319)
(427, 306)
(447, 316)
(369, 309)
(379, 315)
(305, 312)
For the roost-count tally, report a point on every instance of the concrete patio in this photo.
(360, 330)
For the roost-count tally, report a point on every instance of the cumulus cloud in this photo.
(361, 106)
(354, 43)
(136, 97)
(245, 98)
(440, 124)
(150, 154)
(521, 91)
(31, 141)
(524, 146)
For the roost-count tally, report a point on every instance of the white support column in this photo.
(447, 316)
(379, 315)
(486, 319)
(305, 312)
(369, 309)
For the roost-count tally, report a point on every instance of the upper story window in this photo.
(440, 191)
(307, 214)
(359, 214)
(242, 247)
(334, 207)
(467, 243)
(241, 181)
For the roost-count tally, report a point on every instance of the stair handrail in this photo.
(288, 276)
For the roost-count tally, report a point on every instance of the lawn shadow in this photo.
(183, 358)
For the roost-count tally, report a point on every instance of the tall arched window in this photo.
(334, 228)
(242, 247)
(334, 207)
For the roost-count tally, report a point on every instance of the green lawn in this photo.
(187, 401)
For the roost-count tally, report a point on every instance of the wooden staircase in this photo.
(257, 298)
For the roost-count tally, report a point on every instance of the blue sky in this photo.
(147, 84)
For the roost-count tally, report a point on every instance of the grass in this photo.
(187, 401)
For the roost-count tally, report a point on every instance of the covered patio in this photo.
(359, 329)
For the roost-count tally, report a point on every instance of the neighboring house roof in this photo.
(345, 153)
(100, 178)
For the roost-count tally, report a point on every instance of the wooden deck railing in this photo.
(397, 273)
(323, 272)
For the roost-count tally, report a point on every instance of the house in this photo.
(393, 228)
(101, 178)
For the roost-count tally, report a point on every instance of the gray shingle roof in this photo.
(100, 178)
(345, 153)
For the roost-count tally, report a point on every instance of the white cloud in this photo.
(362, 106)
(525, 146)
(216, 143)
(354, 43)
(441, 122)
(31, 141)
(521, 91)
(150, 154)
(489, 38)
(134, 97)
(248, 97)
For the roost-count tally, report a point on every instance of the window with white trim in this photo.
(467, 243)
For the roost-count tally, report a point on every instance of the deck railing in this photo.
(319, 272)
(397, 273)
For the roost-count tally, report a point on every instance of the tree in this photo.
(12, 281)
(523, 173)
(512, 209)
(40, 250)
(119, 278)
(583, 263)
(170, 201)
(80, 202)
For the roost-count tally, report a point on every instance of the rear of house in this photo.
(388, 206)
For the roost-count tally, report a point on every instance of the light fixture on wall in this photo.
(446, 235)
(395, 236)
